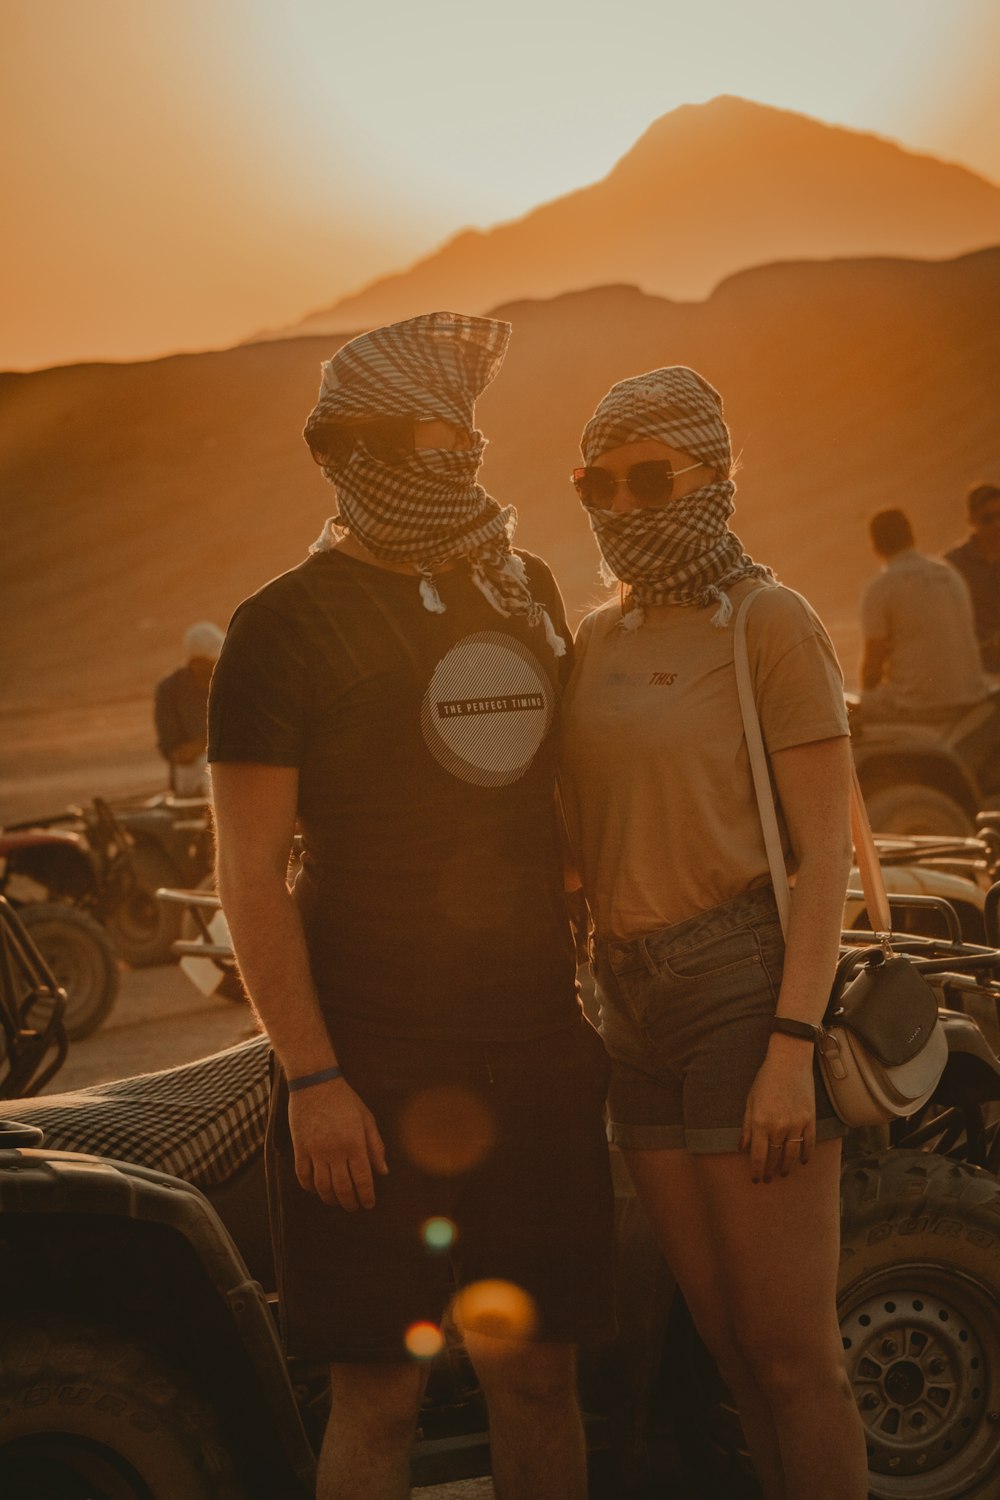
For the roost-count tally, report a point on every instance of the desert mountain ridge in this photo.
(139, 498)
(707, 190)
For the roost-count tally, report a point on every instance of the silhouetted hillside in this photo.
(708, 190)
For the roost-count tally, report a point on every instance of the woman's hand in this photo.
(813, 780)
(779, 1122)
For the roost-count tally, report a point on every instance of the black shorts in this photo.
(504, 1141)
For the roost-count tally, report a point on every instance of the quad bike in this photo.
(63, 887)
(922, 778)
(959, 870)
(126, 850)
(33, 1040)
(170, 841)
(919, 1282)
(140, 1355)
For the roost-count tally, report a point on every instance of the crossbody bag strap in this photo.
(872, 883)
(758, 762)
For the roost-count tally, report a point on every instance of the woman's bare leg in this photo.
(669, 1188)
(758, 1265)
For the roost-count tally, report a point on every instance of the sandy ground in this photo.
(51, 759)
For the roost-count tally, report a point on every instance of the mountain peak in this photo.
(707, 190)
(725, 120)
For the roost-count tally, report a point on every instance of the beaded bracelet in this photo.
(308, 1080)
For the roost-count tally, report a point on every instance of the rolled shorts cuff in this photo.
(725, 1141)
(647, 1137)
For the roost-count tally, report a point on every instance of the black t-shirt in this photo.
(431, 883)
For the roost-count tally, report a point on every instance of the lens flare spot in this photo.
(447, 1130)
(438, 1234)
(497, 1309)
(423, 1340)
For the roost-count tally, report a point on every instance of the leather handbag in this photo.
(881, 1047)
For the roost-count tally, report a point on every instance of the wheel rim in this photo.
(920, 1344)
(142, 927)
(139, 918)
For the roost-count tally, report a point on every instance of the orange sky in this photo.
(181, 173)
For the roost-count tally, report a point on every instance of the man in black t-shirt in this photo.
(396, 695)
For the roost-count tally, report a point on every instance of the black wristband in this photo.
(307, 1081)
(803, 1031)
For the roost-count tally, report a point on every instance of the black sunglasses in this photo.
(651, 483)
(388, 439)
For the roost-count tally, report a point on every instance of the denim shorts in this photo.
(685, 1016)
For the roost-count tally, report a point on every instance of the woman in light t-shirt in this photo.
(716, 1102)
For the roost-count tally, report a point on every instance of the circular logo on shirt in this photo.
(487, 709)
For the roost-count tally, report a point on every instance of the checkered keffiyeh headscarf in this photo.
(427, 509)
(682, 552)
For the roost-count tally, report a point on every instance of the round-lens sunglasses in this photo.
(651, 483)
(388, 439)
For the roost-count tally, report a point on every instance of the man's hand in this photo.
(337, 1145)
(186, 752)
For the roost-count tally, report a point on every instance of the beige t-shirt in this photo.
(922, 609)
(655, 775)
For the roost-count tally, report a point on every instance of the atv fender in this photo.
(972, 1072)
(147, 1247)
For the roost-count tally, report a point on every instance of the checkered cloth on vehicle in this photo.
(683, 552)
(201, 1122)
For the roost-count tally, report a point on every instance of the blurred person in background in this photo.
(710, 1019)
(978, 561)
(180, 711)
(397, 692)
(920, 661)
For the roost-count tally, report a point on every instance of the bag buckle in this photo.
(829, 1046)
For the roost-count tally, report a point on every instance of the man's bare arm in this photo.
(873, 661)
(334, 1134)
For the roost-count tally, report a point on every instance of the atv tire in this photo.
(87, 1414)
(144, 930)
(918, 1289)
(916, 808)
(81, 956)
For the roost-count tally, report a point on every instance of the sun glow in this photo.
(187, 174)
